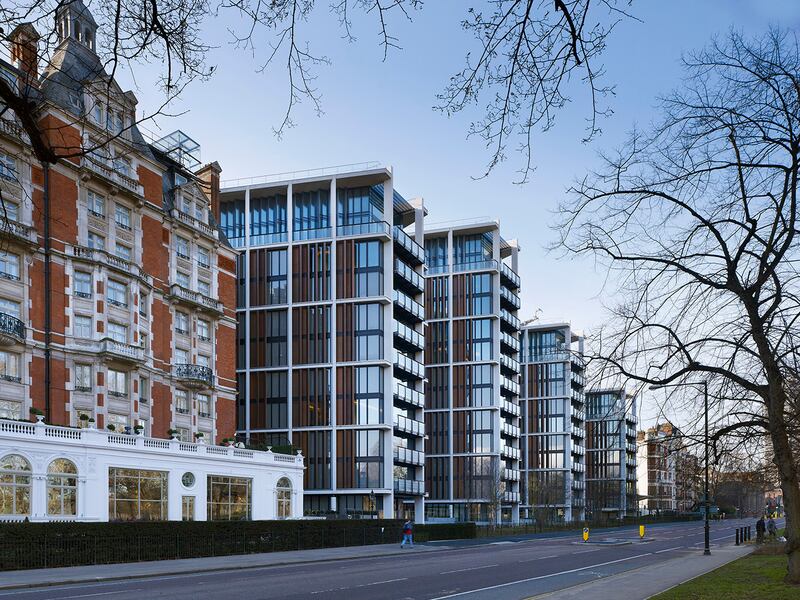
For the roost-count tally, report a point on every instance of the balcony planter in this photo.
(91, 423)
(111, 427)
(172, 433)
(138, 429)
(38, 414)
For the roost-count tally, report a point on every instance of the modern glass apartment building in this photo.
(330, 334)
(472, 409)
(610, 454)
(553, 428)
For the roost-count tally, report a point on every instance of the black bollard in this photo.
(737, 536)
(749, 532)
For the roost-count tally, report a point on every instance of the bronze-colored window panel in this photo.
(436, 338)
(437, 478)
(460, 291)
(345, 395)
(437, 427)
(311, 272)
(311, 399)
(316, 447)
(460, 386)
(346, 458)
(345, 269)
(311, 334)
(436, 297)
(345, 332)
(437, 388)
(460, 432)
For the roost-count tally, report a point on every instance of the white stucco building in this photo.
(50, 473)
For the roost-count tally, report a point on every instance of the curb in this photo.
(196, 571)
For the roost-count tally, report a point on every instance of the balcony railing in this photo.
(510, 319)
(13, 129)
(112, 175)
(510, 474)
(409, 275)
(509, 274)
(406, 456)
(121, 350)
(509, 363)
(409, 365)
(371, 228)
(195, 376)
(508, 384)
(409, 335)
(409, 486)
(510, 407)
(407, 243)
(510, 297)
(412, 307)
(262, 239)
(12, 330)
(18, 230)
(578, 467)
(405, 394)
(438, 270)
(194, 223)
(406, 425)
(509, 429)
(510, 496)
(510, 341)
(196, 298)
(578, 450)
(479, 265)
(509, 452)
(300, 235)
(578, 432)
(111, 260)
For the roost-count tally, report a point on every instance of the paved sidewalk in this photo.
(645, 582)
(67, 575)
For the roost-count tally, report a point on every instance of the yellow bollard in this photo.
(641, 532)
(585, 534)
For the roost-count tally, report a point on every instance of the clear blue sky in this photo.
(377, 110)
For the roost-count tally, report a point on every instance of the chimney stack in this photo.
(209, 175)
(25, 52)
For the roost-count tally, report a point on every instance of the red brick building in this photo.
(117, 290)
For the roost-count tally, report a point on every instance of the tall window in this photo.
(9, 366)
(183, 404)
(182, 279)
(479, 430)
(436, 252)
(268, 338)
(284, 498)
(481, 294)
(82, 284)
(369, 395)
(9, 265)
(268, 277)
(269, 400)
(97, 204)
(181, 322)
(203, 257)
(479, 381)
(122, 217)
(122, 251)
(83, 378)
(231, 220)
(369, 459)
(95, 241)
(15, 485)
(144, 390)
(10, 307)
(267, 219)
(10, 210)
(182, 247)
(181, 356)
(62, 488)
(8, 167)
(369, 332)
(137, 495)
(117, 383)
(229, 498)
(311, 210)
(203, 405)
(481, 335)
(472, 248)
(204, 287)
(118, 332)
(359, 205)
(369, 269)
(82, 327)
(9, 409)
(117, 293)
(203, 330)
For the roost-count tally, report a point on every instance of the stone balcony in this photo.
(196, 377)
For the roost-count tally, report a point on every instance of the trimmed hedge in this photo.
(46, 545)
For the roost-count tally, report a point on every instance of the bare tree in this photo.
(495, 490)
(697, 222)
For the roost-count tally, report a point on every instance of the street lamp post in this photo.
(706, 503)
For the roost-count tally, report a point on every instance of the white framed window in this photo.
(9, 211)
(204, 405)
(144, 304)
(83, 378)
(199, 213)
(181, 323)
(184, 434)
(204, 257)
(182, 402)
(82, 327)
(203, 360)
(96, 242)
(97, 112)
(10, 307)
(15, 485)
(62, 488)
(182, 247)
(122, 165)
(204, 287)
(9, 265)
(284, 498)
(203, 330)
(187, 205)
(118, 332)
(117, 293)
(120, 422)
(117, 383)
(145, 341)
(8, 167)
(123, 251)
(144, 390)
(82, 284)
(122, 217)
(183, 279)
(10, 409)
(97, 204)
(9, 366)
(181, 356)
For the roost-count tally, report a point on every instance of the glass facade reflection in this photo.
(137, 495)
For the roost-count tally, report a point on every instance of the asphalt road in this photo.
(512, 568)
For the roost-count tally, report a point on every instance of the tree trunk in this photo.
(784, 460)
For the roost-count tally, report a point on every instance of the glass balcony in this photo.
(509, 385)
(409, 365)
(405, 425)
(509, 363)
(509, 452)
(264, 239)
(510, 407)
(411, 307)
(510, 341)
(406, 395)
(510, 474)
(121, 351)
(480, 265)
(301, 235)
(438, 270)
(409, 336)
(409, 486)
(509, 319)
(407, 243)
(578, 467)
(406, 456)
(409, 275)
(12, 330)
(509, 429)
(194, 376)
(509, 298)
(510, 275)
(510, 496)
(578, 432)
(371, 228)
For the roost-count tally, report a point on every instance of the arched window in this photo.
(284, 489)
(62, 488)
(15, 485)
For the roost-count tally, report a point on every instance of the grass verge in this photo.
(754, 577)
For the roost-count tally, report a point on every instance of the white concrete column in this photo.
(388, 354)
(174, 493)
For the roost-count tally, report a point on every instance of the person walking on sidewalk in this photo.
(772, 529)
(760, 530)
(408, 534)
